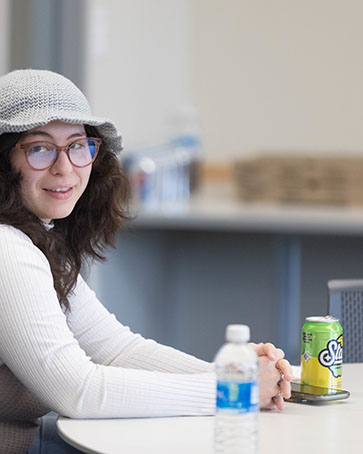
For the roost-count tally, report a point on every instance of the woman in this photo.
(62, 199)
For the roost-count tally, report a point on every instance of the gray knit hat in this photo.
(30, 98)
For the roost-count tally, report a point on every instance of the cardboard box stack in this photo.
(300, 178)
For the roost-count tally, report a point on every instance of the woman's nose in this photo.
(62, 164)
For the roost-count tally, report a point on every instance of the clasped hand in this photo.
(275, 376)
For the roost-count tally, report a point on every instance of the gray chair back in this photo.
(346, 303)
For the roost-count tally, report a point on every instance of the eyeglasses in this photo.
(42, 155)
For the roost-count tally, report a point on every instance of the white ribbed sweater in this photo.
(85, 364)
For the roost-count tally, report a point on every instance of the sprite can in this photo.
(322, 352)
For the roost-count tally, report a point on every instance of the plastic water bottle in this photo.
(185, 136)
(236, 421)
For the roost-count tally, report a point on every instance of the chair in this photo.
(346, 303)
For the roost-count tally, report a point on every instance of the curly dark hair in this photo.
(85, 233)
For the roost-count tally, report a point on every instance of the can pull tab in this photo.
(330, 318)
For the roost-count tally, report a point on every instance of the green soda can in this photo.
(322, 352)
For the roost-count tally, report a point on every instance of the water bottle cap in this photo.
(238, 333)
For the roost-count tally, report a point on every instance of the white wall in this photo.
(138, 63)
(264, 74)
(4, 38)
(278, 74)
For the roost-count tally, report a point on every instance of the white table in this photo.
(299, 429)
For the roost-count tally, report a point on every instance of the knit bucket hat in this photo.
(30, 98)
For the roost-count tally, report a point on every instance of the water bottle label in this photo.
(237, 397)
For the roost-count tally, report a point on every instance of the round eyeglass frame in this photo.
(25, 147)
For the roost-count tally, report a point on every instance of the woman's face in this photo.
(51, 193)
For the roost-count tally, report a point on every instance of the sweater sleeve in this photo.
(110, 343)
(37, 344)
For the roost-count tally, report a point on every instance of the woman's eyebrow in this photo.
(36, 133)
(46, 134)
(77, 134)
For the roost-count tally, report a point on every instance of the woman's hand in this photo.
(275, 376)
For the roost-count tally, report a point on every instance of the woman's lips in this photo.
(60, 193)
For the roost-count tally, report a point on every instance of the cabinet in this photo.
(179, 277)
